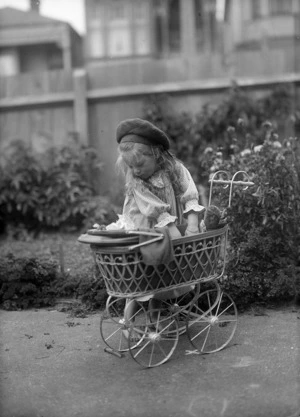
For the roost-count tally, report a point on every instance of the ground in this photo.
(54, 365)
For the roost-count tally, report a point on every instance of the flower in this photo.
(246, 152)
(267, 125)
(231, 130)
(277, 144)
(257, 148)
(208, 150)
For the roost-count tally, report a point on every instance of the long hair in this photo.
(164, 159)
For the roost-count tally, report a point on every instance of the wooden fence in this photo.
(48, 108)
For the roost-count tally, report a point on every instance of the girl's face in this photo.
(142, 166)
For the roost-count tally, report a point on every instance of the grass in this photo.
(79, 279)
(71, 255)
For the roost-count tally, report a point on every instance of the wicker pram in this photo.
(209, 316)
(196, 259)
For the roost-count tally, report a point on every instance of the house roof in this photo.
(10, 17)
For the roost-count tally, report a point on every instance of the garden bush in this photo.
(34, 282)
(51, 190)
(264, 228)
(191, 135)
(26, 282)
(68, 263)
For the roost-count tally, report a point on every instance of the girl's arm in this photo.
(174, 232)
(189, 195)
(193, 223)
(193, 211)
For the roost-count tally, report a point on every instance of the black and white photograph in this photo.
(149, 208)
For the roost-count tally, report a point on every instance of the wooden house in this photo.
(152, 40)
(31, 42)
(149, 41)
(263, 36)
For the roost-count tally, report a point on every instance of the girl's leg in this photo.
(155, 304)
(129, 312)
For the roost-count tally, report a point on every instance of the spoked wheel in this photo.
(113, 328)
(179, 306)
(158, 338)
(212, 321)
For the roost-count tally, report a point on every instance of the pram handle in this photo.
(235, 183)
(156, 237)
(224, 179)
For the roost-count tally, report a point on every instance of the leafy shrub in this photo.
(264, 228)
(50, 190)
(192, 135)
(26, 282)
(86, 285)
(76, 276)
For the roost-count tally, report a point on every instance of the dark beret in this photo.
(151, 134)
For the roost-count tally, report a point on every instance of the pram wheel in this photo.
(158, 337)
(113, 328)
(212, 321)
(179, 306)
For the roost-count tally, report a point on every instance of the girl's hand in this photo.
(190, 232)
(99, 226)
(174, 232)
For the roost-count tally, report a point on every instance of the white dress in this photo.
(154, 203)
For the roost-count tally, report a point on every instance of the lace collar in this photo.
(157, 180)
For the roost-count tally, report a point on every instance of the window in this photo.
(199, 23)
(256, 9)
(54, 57)
(141, 31)
(167, 26)
(95, 29)
(139, 11)
(119, 28)
(277, 7)
(9, 61)
(117, 10)
(174, 25)
(119, 43)
(96, 45)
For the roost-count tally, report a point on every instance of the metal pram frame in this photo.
(209, 317)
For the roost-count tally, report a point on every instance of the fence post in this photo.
(80, 105)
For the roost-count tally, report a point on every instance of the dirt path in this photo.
(55, 366)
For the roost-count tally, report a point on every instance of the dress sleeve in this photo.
(189, 195)
(131, 217)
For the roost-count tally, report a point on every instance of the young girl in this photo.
(160, 191)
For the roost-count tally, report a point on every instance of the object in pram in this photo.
(214, 218)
